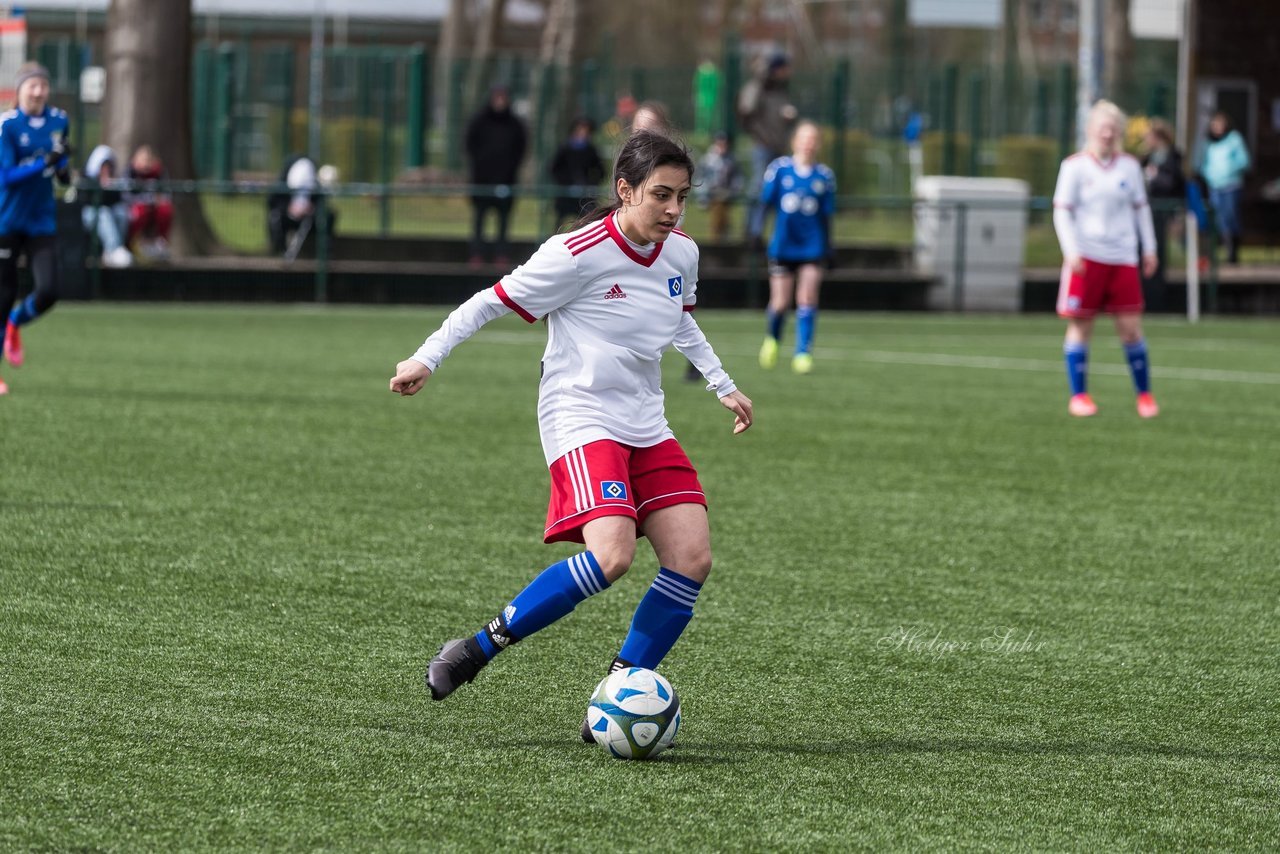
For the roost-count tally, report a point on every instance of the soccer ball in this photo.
(634, 713)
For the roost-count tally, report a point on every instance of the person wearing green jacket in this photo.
(1223, 164)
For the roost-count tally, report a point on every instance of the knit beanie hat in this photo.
(28, 70)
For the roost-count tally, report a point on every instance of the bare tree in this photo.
(148, 60)
(448, 51)
(559, 53)
(487, 36)
(1117, 51)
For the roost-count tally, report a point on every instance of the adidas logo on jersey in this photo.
(616, 292)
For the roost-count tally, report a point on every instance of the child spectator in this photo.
(721, 183)
(105, 212)
(150, 212)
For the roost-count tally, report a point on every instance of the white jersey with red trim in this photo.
(612, 309)
(1100, 208)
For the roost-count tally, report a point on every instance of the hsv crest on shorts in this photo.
(613, 490)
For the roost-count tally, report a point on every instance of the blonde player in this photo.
(616, 292)
(1099, 211)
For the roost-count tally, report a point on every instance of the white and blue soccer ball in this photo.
(634, 713)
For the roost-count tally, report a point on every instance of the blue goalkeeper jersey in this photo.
(804, 201)
(26, 184)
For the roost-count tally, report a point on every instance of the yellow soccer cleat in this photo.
(802, 363)
(769, 354)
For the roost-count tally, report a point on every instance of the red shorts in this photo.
(606, 478)
(1113, 288)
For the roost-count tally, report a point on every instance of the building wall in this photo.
(1239, 40)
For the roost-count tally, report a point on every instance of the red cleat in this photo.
(1082, 405)
(13, 345)
(1147, 406)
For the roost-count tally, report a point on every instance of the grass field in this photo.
(944, 615)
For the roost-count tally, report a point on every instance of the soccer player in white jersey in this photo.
(1099, 211)
(615, 293)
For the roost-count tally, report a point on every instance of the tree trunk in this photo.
(148, 101)
(482, 57)
(1117, 52)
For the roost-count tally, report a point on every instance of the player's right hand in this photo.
(411, 376)
(1076, 263)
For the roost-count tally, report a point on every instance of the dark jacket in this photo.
(1167, 182)
(495, 145)
(577, 166)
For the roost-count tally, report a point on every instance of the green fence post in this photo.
(388, 101)
(637, 83)
(1158, 99)
(286, 100)
(1066, 98)
(1040, 120)
(202, 84)
(839, 97)
(415, 121)
(454, 119)
(975, 123)
(950, 95)
(589, 91)
(732, 61)
(321, 220)
(76, 61)
(223, 99)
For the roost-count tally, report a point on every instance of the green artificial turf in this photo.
(944, 615)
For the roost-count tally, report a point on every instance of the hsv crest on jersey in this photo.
(613, 490)
(675, 285)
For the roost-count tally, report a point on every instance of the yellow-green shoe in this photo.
(769, 353)
(802, 363)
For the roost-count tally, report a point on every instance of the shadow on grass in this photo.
(706, 753)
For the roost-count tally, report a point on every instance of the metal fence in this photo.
(385, 116)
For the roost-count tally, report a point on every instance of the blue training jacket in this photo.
(26, 184)
(804, 202)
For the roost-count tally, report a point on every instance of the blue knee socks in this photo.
(554, 593)
(662, 615)
(1139, 367)
(1076, 355)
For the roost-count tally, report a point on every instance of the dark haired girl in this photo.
(616, 292)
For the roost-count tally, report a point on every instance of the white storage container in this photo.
(985, 219)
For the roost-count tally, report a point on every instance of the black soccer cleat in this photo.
(586, 730)
(458, 661)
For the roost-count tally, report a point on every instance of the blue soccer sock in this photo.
(806, 322)
(663, 613)
(1139, 366)
(1076, 354)
(774, 321)
(24, 312)
(554, 593)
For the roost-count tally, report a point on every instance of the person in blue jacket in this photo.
(33, 151)
(801, 192)
(1222, 166)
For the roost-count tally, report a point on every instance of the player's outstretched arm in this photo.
(740, 405)
(411, 376)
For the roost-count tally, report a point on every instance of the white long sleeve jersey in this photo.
(611, 312)
(1100, 209)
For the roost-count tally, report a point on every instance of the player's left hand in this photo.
(411, 376)
(1149, 265)
(740, 405)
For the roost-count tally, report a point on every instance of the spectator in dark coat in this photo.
(577, 167)
(495, 143)
(1166, 187)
